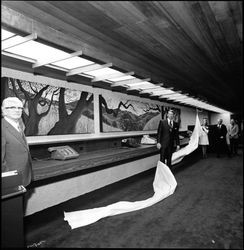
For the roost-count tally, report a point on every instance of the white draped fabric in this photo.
(164, 184)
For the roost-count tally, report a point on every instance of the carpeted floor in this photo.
(206, 211)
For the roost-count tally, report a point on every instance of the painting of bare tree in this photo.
(128, 115)
(50, 110)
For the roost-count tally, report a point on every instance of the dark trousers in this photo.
(221, 147)
(166, 154)
(233, 145)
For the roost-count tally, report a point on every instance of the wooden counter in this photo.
(44, 169)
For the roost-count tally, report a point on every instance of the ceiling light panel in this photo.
(122, 78)
(144, 85)
(111, 76)
(6, 34)
(37, 51)
(138, 84)
(151, 87)
(16, 41)
(104, 71)
(173, 95)
(72, 63)
(161, 91)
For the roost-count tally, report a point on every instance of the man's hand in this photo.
(177, 148)
(158, 145)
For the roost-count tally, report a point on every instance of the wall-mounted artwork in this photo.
(128, 115)
(50, 110)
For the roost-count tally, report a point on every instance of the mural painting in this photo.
(50, 110)
(128, 115)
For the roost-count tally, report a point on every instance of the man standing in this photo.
(168, 133)
(221, 144)
(15, 150)
(233, 133)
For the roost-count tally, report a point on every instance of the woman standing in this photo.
(203, 139)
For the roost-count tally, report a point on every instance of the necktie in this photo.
(21, 132)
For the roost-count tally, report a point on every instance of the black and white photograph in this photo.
(122, 124)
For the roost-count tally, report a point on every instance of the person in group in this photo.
(221, 144)
(233, 132)
(167, 135)
(203, 139)
(15, 150)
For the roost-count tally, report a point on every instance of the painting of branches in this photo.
(128, 115)
(50, 110)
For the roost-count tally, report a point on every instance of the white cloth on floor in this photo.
(164, 184)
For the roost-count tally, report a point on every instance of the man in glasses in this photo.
(15, 150)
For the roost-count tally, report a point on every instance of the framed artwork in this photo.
(127, 115)
(50, 110)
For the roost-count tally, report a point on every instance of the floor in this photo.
(206, 211)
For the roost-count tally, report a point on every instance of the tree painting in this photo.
(50, 110)
(128, 115)
(67, 122)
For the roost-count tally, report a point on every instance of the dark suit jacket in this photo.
(15, 153)
(221, 131)
(167, 135)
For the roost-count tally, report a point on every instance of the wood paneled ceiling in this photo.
(193, 46)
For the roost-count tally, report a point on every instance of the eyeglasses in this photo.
(12, 107)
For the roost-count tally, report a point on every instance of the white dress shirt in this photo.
(170, 123)
(13, 123)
